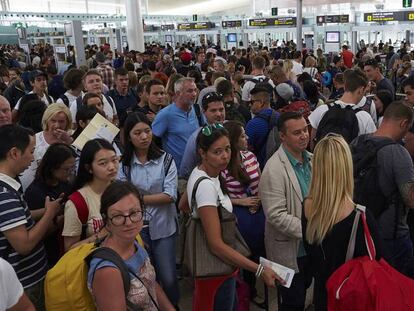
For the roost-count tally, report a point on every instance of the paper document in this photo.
(99, 127)
(285, 273)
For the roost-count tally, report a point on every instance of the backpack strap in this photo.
(65, 100)
(198, 114)
(78, 103)
(106, 253)
(167, 163)
(49, 99)
(110, 100)
(82, 210)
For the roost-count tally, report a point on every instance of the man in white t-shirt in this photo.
(38, 81)
(258, 66)
(92, 82)
(297, 63)
(72, 80)
(355, 84)
(12, 296)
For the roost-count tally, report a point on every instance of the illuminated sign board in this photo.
(168, 27)
(332, 19)
(195, 26)
(400, 16)
(231, 24)
(269, 22)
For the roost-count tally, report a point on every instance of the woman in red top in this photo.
(242, 182)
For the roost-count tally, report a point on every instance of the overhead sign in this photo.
(332, 19)
(231, 24)
(400, 16)
(195, 26)
(272, 22)
(168, 27)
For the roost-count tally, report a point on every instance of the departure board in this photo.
(332, 19)
(399, 16)
(231, 24)
(168, 27)
(272, 22)
(195, 26)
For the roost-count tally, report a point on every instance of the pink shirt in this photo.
(251, 166)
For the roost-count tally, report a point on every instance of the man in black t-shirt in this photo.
(378, 81)
(396, 182)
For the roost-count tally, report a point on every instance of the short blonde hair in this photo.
(54, 109)
(310, 61)
(332, 184)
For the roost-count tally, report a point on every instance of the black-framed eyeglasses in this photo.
(208, 129)
(134, 217)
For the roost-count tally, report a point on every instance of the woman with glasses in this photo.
(329, 213)
(98, 167)
(53, 178)
(214, 148)
(122, 211)
(242, 177)
(154, 173)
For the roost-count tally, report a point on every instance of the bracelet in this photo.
(259, 270)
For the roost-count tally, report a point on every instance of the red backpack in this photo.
(367, 284)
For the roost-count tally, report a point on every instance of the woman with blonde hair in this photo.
(56, 125)
(310, 67)
(329, 213)
(287, 69)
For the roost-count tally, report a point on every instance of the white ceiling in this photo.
(208, 6)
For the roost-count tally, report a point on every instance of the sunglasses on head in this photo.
(208, 129)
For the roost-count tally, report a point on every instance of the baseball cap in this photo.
(186, 57)
(285, 91)
(37, 73)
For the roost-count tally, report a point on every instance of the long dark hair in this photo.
(235, 168)
(53, 159)
(85, 113)
(153, 151)
(204, 143)
(87, 156)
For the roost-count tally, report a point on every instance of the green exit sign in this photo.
(407, 3)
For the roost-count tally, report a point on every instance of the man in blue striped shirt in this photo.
(20, 237)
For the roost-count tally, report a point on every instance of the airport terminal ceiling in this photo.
(186, 7)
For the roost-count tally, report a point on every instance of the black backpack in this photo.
(339, 120)
(367, 190)
(272, 142)
(65, 100)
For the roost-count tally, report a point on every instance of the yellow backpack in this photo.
(66, 283)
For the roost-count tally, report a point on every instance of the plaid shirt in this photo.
(107, 74)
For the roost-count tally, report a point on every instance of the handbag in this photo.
(198, 260)
(367, 284)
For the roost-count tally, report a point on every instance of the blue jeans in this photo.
(226, 299)
(162, 253)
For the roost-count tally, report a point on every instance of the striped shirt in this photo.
(251, 166)
(31, 268)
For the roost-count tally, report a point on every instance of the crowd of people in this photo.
(272, 137)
